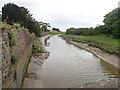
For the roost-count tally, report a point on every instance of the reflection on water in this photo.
(70, 66)
(47, 43)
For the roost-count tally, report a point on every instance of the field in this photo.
(105, 43)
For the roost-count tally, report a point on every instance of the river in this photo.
(69, 66)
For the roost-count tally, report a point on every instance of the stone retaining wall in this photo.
(12, 74)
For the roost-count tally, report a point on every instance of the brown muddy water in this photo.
(69, 66)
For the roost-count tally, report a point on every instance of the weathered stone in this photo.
(23, 50)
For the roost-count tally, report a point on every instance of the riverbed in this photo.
(69, 66)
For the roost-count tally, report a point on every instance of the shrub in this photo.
(36, 46)
(17, 25)
(14, 59)
(32, 35)
(13, 39)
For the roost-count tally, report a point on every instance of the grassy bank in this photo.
(56, 33)
(105, 43)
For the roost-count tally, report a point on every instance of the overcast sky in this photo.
(64, 14)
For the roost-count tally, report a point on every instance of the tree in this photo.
(112, 22)
(11, 12)
(45, 27)
(20, 15)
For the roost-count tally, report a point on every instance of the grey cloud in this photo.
(64, 21)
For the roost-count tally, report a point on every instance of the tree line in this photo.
(11, 13)
(111, 26)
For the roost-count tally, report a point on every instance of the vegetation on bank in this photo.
(36, 46)
(13, 38)
(102, 42)
(56, 33)
(14, 58)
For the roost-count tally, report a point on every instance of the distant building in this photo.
(56, 29)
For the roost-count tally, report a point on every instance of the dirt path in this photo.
(33, 78)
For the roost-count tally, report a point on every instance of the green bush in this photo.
(13, 39)
(14, 59)
(17, 25)
(36, 46)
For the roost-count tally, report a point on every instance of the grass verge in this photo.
(105, 43)
(56, 33)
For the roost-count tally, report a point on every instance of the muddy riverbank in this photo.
(32, 77)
